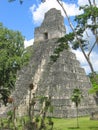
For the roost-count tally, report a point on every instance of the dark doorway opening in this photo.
(45, 35)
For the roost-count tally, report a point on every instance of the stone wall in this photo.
(51, 27)
(57, 80)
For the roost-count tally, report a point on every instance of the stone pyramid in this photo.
(59, 79)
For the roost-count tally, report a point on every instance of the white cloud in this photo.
(33, 8)
(28, 43)
(84, 2)
(84, 63)
(39, 11)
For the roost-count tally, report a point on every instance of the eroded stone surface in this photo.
(51, 27)
(57, 80)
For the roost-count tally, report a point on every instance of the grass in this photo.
(71, 124)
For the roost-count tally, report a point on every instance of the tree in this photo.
(76, 98)
(94, 89)
(12, 57)
(46, 107)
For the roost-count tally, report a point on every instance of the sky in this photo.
(30, 14)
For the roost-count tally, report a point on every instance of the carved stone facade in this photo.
(51, 27)
(57, 80)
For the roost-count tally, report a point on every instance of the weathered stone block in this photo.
(57, 80)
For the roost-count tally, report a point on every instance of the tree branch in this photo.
(90, 2)
(92, 48)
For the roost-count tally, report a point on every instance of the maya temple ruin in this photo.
(57, 80)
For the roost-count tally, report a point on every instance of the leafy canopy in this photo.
(76, 96)
(94, 88)
(12, 57)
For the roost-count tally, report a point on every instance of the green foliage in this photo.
(12, 57)
(10, 115)
(4, 93)
(76, 96)
(63, 44)
(47, 103)
(89, 13)
(93, 78)
(64, 124)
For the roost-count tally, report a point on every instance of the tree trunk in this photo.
(30, 114)
(77, 118)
